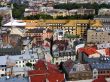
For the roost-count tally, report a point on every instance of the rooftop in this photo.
(45, 71)
(72, 67)
(31, 24)
(27, 54)
(94, 52)
(14, 79)
(101, 66)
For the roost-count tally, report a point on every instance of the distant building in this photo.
(58, 35)
(86, 11)
(101, 64)
(98, 36)
(39, 35)
(29, 12)
(105, 21)
(75, 27)
(18, 62)
(57, 12)
(5, 13)
(77, 71)
(61, 52)
(104, 12)
(103, 45)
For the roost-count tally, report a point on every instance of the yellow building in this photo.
(75, 27)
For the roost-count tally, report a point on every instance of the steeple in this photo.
(11, 12)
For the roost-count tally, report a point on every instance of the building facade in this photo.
(77, 71)
(75, 27)
(98, 36)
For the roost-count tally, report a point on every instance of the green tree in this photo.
(28, 64)
(71, 36)
(38, 16)
(1, 20)
(18, 11)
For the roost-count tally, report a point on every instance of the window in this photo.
(19, 61)
(107, 71)
(100, 72)
(23, 61)
(2, 69)
(30, 60)
(2, 75)
(23, 65)
(33, 60)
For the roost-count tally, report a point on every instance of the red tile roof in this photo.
(100, 79)
(91, 50)
(107, 50)
(45, 70)
(88, 51)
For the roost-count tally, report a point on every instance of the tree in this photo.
(38, 16)
(28, 64)
(61, 66)
(1, 20)
(18, 11)
(71, 36)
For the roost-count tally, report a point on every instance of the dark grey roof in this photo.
(9, 51)
(100, 66)
(99, 63)
(35, 30)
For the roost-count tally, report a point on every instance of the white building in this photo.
(104, 45)
(18, 62)
(104, 12)
(45, 9)
(62, 56)
(58, 34)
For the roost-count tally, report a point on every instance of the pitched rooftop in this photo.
(45, 71)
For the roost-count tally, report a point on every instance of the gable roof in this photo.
(88, 51)
(45, 71)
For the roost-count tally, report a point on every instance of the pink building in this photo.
(39, 35)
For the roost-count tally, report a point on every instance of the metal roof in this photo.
(15, 79)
